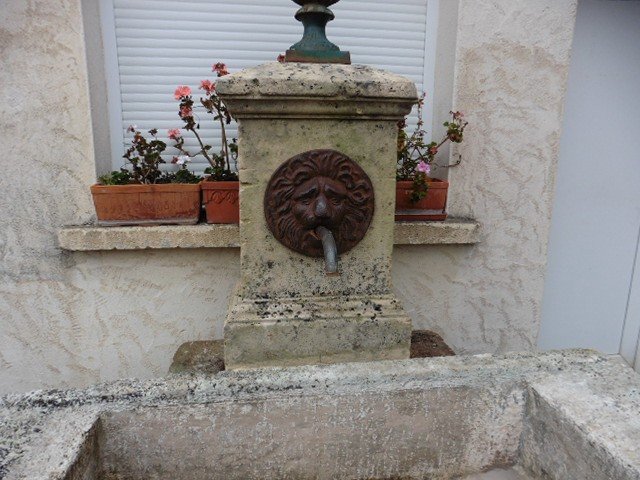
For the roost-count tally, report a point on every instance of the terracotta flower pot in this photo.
(431, 207)
(171, 203)
(221, 201)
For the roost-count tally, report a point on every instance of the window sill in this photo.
(94, 238)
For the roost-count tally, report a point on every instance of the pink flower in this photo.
(424, 167)
(182, 91)
(174, 133)
(186, 112)
(208, 86)
(181, 160)
(220, 68)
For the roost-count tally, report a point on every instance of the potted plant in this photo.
(143, 194)
(418, 196)
(220, 189)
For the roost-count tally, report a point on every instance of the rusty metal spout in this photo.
(330, 250)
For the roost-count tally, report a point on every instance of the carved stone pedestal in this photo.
(287, 310)
(316, 330)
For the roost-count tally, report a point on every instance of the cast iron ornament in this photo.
(319, 188)
(314, 47)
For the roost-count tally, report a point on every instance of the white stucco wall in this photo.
(73, 319)
(511, 70)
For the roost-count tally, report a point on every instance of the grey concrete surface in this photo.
(440, 418)
(500, 474)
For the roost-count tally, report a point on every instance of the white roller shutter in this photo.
(151, 46)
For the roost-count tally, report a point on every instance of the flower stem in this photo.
(224, 139)
(202, 149)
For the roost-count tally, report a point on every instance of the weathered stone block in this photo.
(203, 356)
(284, 110)
(316, 330)
(569, 415)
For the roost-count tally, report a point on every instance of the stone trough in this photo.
(560, 415)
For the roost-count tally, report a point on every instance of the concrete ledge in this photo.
(94, 238)
(453, 231)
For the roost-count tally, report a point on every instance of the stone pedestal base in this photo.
(287, 332)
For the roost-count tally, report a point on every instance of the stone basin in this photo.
(561, 415)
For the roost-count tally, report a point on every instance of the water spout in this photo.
(330, 250)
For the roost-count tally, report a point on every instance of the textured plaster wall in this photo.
(511, 69)
(73, 319)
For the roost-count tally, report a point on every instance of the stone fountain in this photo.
(317, 141)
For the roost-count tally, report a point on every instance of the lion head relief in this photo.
(319, 188)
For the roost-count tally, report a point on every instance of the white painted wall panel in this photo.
(630, 343)
(596, 214)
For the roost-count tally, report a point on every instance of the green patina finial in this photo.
(314, 46)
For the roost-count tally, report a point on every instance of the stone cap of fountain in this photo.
(317, 91)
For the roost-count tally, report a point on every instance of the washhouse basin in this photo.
(560, 415)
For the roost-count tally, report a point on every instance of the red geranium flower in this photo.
(220, 68)
(182, 91)
(208, 86)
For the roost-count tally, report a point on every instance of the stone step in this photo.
(207, 356)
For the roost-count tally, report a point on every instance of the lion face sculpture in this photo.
(319, 188)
